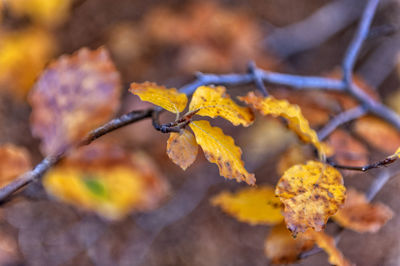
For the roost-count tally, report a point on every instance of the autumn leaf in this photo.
(107, 180)
(251, 205)
(221, 150)
(182, 148)
(281, 248)
(360, 215)
(213, 102)
(296, 120)
(45, 12)
(14, 161)
(23, 55)
(378, 133)
(328, 244)
(74, 95)
(169, 99)
(311, 193)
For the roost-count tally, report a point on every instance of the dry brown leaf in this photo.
(14, 162)
(311, 193)
(378, 133)
(74, 95)
(328, 244)
(348, 150)
(105, 179)
(182, 148)
(281, 248)
(360, 215)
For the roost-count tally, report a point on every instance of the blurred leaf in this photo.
(213, 102)
(169, 99)
(23, 54)
(105, 179)
(251, 205)
(74, 95)
(378, 133)
(46, 12)
(14, 161)
(311, 193)
(282, 248)
(221, 150)
(295, 154)
(296, 121)
(328, 244)
(360, 215)
(182, 148)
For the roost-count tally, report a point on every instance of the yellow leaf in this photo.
(23, 55)
(296, 121)
(169, 99)
(328, 244)
(221, 150)
(46, 12)
(213, 101)
(281, 248)
(311, 193)
(251, 205)
(359, 215)
(106, 180)
(182, 148)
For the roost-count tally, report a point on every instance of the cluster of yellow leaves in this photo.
(23, 55)
(282, 108)
(311, 193)
(74, 95)
(14, 161)
(107, 180)
(206, 101)
(45, 12)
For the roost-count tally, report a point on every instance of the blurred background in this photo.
(167, 42)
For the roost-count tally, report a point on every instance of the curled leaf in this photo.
(213, 101)
(14, 161)
(221, 150)
(169, 99)
(360, 215)
(107, 180)
(328, 244)
(251, 205)
(296, 121)
(311, 193)
(74, 95)
(281, 248)
(182, 148)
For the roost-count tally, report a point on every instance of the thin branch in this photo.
(341, 119)
(388, 160)
(361, 34)
(50, 161)
(252, 69)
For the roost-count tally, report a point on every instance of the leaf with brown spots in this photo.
(74, 95)
(169, 99)
(221, 150)
(14, 161)
(328, 244)
(281, 248)
(296, 120)
(311, 193)
(182, 148)
(378, 133)
(251, 205)
(360, 215)
(107, 180)
(213, 102)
